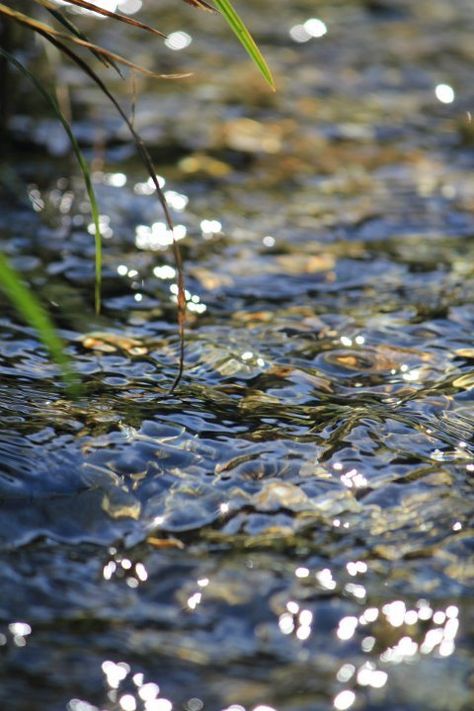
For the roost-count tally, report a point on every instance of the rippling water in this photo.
(292, 529)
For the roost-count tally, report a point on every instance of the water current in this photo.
(292, 529)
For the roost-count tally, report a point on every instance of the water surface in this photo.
(292, 529)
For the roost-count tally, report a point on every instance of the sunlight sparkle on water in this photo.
(369, 615)
(395, 612)
(158, 705)
(353, 479)
(286, 623)
(177, 201)
(20, 629)
(116, 180)
(149, 691)
(194, 600)
(141, 572)
(305, 618)
(301, 572)
(404, 649)
(192, 300)
(128, 702)
(115, 673)
(367, 644)
(368, 675)
(311, 29)
(315, 27)
(109, 569)
(79, 705)
(413, 375)
(165, 272)
(344, 700)
(104, 226)
(358, 591)
(347, 627)
(356, 567)
(424, 610)
(148, 188)
(178, 40)
(303, 633)
(130, 7)
(157, 236)
(445, 93)
(411, 617)
(304, 630)
(110, 5)
(325, 579)
(194, 704)
(345, 673)
(210, 227)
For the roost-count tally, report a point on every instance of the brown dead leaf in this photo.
(112, 342)
(165, 542)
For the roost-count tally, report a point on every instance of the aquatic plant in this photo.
(69, 40)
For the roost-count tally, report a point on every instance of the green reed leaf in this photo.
(34, 314)
(245, 38)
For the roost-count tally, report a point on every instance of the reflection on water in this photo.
(292, 529)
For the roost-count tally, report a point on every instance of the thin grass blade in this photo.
(245, 38)
(49, 98)
(148, 163)
(48, 32)
(200, 5)
(109, 13)
(66, 22)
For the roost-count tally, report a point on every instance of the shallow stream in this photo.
(292, 529)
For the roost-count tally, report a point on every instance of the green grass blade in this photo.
(49, 98)
(245, 38)
(32, 311)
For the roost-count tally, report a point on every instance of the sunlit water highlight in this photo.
(292, 529)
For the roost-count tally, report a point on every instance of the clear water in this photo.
(293, 528)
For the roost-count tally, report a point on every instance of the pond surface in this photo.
(292, 529)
